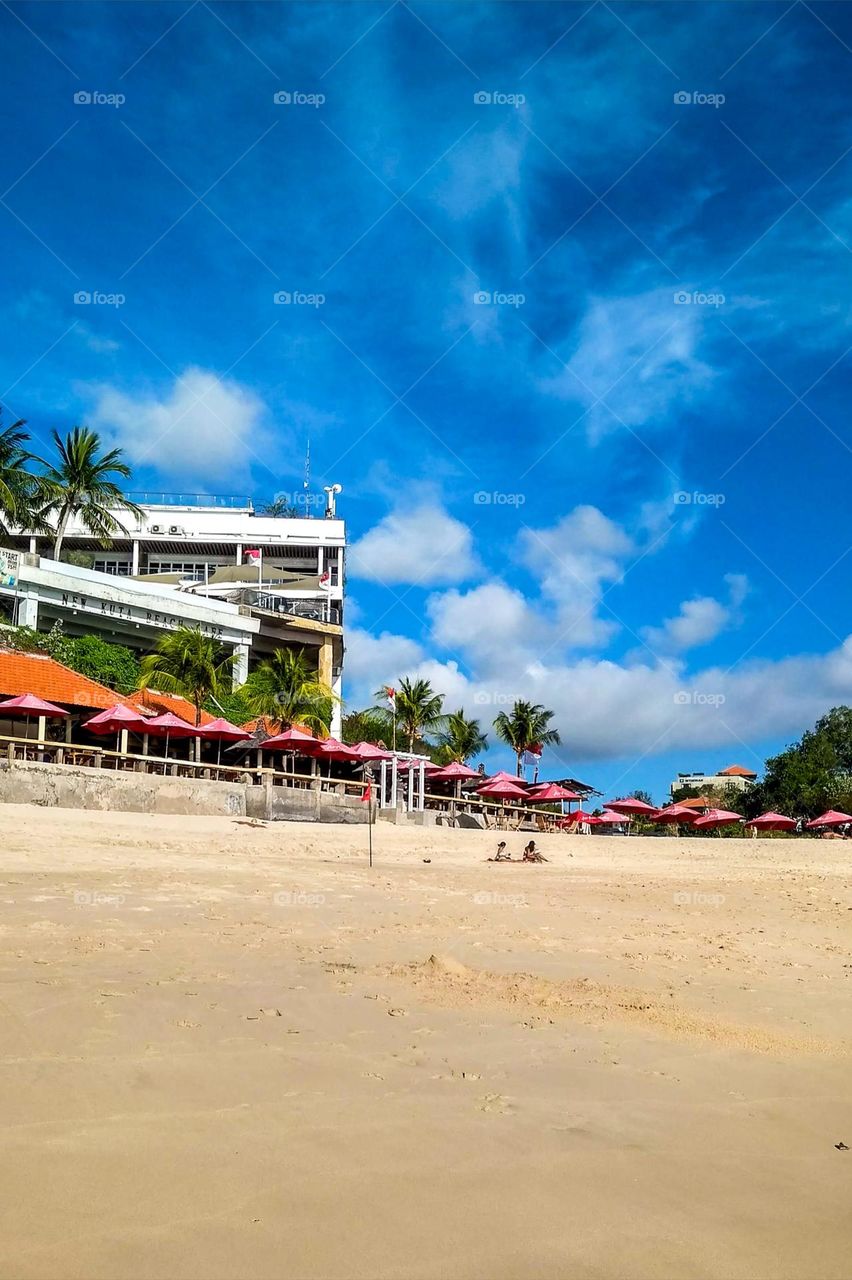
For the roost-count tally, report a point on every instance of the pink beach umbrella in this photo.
(169, 726)
(116, 718)
(295, 740)
(770, 821)
(673, 813)
(632, 805)
(368, 751)
(222, 730)
(503, 776)
(717, 818)
(27, 704)
(548, 792)
(831, 818)
(454, 772)
(611, 817)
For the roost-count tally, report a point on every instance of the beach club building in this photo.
(257, 583)
(735, 775)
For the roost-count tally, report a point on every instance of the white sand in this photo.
(226, 1053)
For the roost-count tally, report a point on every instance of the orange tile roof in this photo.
(737, 771)
(697, 802)
(46, 678)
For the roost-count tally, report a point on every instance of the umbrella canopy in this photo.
(831, 818)
(453, 772)
(169, 725)
(222, 730)
(718, 818)
(366, 751)
(612, 816)
(674, 813)
(292, 740)
(503, 776)
(631, 805)
(117, 718)
(770, 821)
(548, 792)
(503, 790)
(331, 749)
(27, 704)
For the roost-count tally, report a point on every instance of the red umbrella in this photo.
(116, 718)
(453, 772)
(770, 821)
(502, 790)
(550, 789)
(578, 816)
(548, 792)
(222, 730)
(168, 726)
(631, 805)
(292, 740)
(831, 818)
(332, 749)
(367, 751)
(612, 816)
(27, 704)
(719, 818)
(503, 776)
(674, 813)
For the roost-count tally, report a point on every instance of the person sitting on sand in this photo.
(501, 855)
(531, 854)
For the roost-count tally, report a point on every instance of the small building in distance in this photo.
(734, 775)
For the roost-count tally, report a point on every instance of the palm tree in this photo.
(525, 726)
(285, 689)
(418, 708)
(22, 493)
(81, 485)
(461, 738)
(189, 663)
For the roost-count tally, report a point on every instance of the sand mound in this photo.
(447, 981)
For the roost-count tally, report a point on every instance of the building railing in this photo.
(226, 501)
(315, 610)
(16, 749)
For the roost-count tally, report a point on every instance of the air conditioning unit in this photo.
(156, 528)
(177, 529)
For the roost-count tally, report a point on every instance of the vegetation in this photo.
(81, 485)
(371, 725)
(460, 739)
(22, 491)
(812, 775)
(526, 725)
(285, 690)
(189, 663)
(419, 709)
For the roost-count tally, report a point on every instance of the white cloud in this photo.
(698, 621)
(423, 545)
(203, 429)
(637, 357)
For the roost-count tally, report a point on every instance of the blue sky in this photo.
(618, 484)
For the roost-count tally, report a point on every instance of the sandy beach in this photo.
(236, 1052)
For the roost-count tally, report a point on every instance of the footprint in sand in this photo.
(187, 1025)
(495, 1102)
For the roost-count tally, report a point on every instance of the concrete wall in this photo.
(67, 787)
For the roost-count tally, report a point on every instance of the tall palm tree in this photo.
(373, 724)
(189, 663)
(286, 690)
(419, 708)
(461, 738)
(81, 484)
(525, 726)
(22, 493)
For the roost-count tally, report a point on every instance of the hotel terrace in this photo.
(256, 582)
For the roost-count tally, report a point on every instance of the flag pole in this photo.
(370, 828)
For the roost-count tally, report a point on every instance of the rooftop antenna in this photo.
(307, 481)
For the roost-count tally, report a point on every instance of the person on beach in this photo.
(501, 855)
(531, 854)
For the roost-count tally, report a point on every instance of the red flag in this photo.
(367, 793)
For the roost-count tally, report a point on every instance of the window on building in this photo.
(123, 568)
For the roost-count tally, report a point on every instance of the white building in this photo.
(256, 582)
(735, 775)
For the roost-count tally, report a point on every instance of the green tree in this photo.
(22, 491)
(286, 690)
(812, 774)
(460, 739)
(109, 664)
(81, 485)
(279, 506)
(373, 724)
(526, 725)
(188, 663)
(419, 709)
